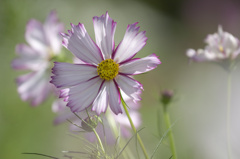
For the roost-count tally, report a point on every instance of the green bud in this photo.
(89, 123)
(166, 97)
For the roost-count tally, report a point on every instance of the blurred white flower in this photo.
(44, 44)
(220, 46)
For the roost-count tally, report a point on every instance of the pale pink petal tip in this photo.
(132, 42)
(81, 45)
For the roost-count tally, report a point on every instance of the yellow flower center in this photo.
(220, 48)
(107, 69)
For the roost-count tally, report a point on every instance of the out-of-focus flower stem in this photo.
(228, 115)
(126, 153)
(134, 129)
(171, 138)
(99, 140)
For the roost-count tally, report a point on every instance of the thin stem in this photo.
(228, 116)
(134, 129)
(99, 140)
(116, 132)
(171, 138)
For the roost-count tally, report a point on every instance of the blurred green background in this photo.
(171, 27)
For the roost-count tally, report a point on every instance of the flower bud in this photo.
(89, 123)
(166, 97)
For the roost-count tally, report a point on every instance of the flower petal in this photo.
(81, 45)
(67, 75)
(67, 115)
(29, 59)
(58, 105)
(140, 65)
(114, 97)
(132, 42)
(200, 55)
(101, 102)
(130, 87)
(52, 28)
(123, 121)
(34, 87)
(36, 37)
(104, 28)
(82, 95)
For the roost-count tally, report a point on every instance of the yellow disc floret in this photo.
(107, 69)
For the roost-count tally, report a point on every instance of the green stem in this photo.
(134, 129)
(99, 140)
(171, 138)
(115, 130)
(228, 115)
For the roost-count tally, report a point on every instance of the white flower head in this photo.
(220, 46)
(44, 43)
(105, 70)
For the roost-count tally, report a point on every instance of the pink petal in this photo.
(140, 65)
(28, 59)
(132, 104)
(58, 105)
(63, 117)
(82, 95)
(81, 45)
(36, 37)
(34, 87)
(132, 42)
(114, 97)
(104, 28)
(101, 102)
(52, 28)
(131, 87)
(67, 75)
(200, 55)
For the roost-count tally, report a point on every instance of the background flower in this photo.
(220, 46)
(44, 44)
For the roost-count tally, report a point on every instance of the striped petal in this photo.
(34, 87)
(132, 42)
(52, 28)
(28, 59)
(82, 95)
(140, 65)
(101, 102)
(114, 97)
(35, 36)
(81, 45)
(68, 75)
(129, 86)
(104, 28)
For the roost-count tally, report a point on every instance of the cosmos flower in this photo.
(220, 46)
(44, 43)
(110, 121)
(105, 70)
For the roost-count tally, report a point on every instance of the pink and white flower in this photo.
(44, 43)
(105, 70)
(220, 46)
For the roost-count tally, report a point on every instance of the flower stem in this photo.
(99, 140)
(171, 138)
(113, 126)
(228, 115)
(134, 129)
